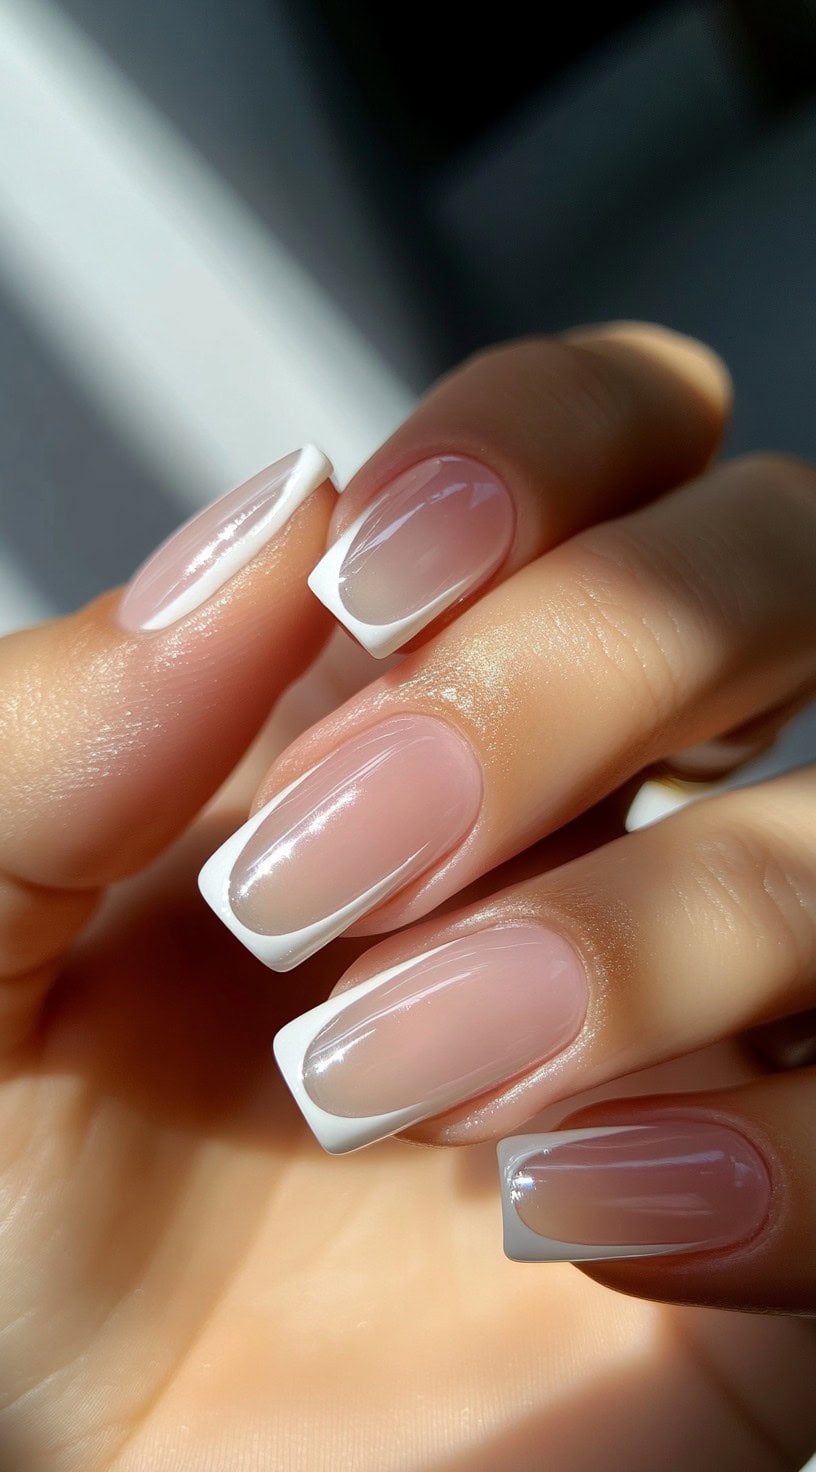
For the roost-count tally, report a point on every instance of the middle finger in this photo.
(633, 640)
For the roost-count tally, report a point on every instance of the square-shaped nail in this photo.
(204, 553)
(438, 532)
(375, 813)
(663, 1186)
(434, 1031)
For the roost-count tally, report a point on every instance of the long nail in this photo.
(669, 1186)
(439, 531)
(210, 548)
(432, 1032)
(369, 818)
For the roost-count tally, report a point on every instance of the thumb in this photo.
(118, 722)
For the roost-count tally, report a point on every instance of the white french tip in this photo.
(284, 952)
(336, 1133)
(521, 1244)
(656, 800)
(309, 471)
(379, 639)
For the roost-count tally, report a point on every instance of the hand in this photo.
(187, 1281)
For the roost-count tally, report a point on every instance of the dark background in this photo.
(453, 178)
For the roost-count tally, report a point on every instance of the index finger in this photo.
(514, 452)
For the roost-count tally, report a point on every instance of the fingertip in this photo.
(203, 555)
(120, 734)
(687, 358)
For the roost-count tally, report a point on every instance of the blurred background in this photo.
(230, 225)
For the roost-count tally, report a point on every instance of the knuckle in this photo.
(666, 597)
(750, 882)
(622, 615)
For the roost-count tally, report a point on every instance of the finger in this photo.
(654, 946)
(734, 749)
(698, 1198)
(505, 458)
(629, 642)
(121, 720)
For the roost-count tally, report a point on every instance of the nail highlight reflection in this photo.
(437, 532)
(670, 1185)
(373, 815)
(432, 1032)
(204, 553)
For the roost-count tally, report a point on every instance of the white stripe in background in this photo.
(202, 340)
(20, 602)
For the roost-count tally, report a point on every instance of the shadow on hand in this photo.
(164, 1010)
(663, 1408)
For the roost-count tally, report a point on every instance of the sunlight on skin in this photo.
(190, 1284)
(184, 1279)
(196, 1285)
(255, 1288)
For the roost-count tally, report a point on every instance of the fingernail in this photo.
(208, 550)
(439, 531)
(369, 818)
(670, 1186)
(432, 1032)
(659, 798)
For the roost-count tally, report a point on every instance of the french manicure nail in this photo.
(212, 546)
(439, 531)
(370, 817)
(620, 1191)
(431, 1032)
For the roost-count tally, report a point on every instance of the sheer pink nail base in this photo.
(280, 952)
(379, 639)
(404, 527)
(337, 1134)
(684, 1184)
(523, 1245)
(203, 554)
(372, 815)
(442, 1027)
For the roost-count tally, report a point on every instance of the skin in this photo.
(187, 1281)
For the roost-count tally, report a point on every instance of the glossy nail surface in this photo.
(668, 1186)
(439, 531)
(432, 1032)
(208, 550)
(373, 815)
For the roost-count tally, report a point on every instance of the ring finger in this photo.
(659, 944)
